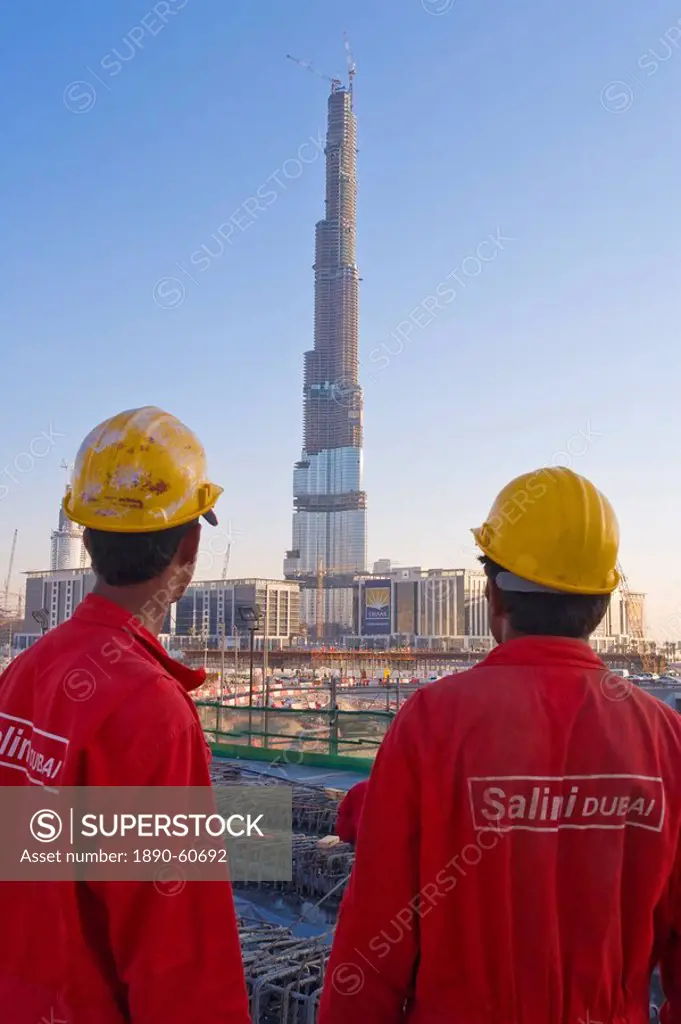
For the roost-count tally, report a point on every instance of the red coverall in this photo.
(518, 859)
(350, 812)
(106, 706)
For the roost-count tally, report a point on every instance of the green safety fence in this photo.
(335, 739)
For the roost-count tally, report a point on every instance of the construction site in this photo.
(415, 663)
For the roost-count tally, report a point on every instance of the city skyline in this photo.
(484, 132)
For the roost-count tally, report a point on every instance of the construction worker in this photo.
(103, 704)
(350, 813)
(518, 855)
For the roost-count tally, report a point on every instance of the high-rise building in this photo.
(329, 518)
(67, 550)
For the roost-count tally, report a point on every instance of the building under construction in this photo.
(329, 519)
(67, 550)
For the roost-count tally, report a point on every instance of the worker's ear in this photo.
(495, 599)
(188, 548)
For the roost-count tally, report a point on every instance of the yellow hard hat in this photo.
(552, 531)
(139, 471)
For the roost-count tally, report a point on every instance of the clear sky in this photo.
(476, 117)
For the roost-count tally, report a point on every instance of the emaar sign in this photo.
(376, 608)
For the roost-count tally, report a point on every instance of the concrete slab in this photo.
(340, 780)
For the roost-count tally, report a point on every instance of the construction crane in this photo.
(352, 67)
(228, 552)
(9, 570)
(335, 82)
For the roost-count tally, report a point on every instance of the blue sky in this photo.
(475, 118)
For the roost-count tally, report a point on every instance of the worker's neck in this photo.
(512, 634)
(145, 602)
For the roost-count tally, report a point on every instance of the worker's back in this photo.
(534, 804)
(98, 702)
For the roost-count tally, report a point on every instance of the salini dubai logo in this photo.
(28, 749)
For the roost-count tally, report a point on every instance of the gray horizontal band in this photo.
(511, 583)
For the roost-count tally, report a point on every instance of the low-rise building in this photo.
(447, 609)
(207, 610)
(441, 608)
(623, 625)
(210, 609)
(50, 599)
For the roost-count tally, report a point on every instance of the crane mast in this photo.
(352, 67)
(231, 535)
(225, 564)
(9, 569)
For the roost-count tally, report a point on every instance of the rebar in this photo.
(284, 974)
(314, 810)
(316, 871)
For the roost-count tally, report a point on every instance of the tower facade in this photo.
(329, 518)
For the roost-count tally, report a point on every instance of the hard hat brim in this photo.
(102, 523)
(546, 585)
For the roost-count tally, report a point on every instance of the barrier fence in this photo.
(329, 738)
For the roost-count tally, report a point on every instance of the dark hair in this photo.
(122, 559)
(573, 615)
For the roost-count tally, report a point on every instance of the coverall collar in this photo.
(543, 650)
(102, 612)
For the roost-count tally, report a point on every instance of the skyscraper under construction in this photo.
(329, 518)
